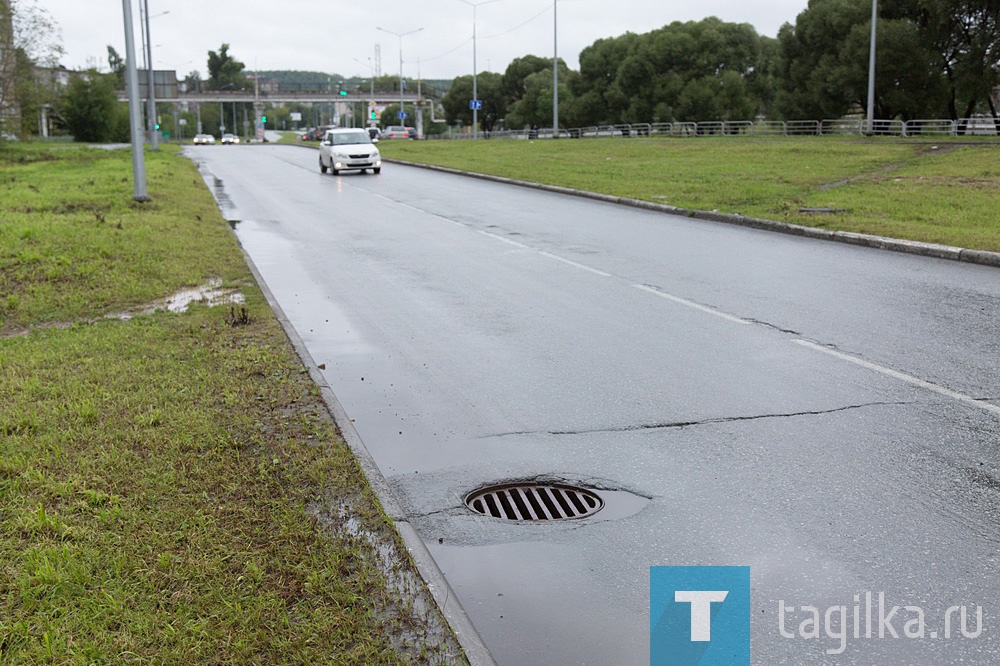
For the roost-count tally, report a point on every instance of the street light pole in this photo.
(154, 141)
(871, 71)
(400, 35)
(134, 109)
(475, 69)
(555, 70)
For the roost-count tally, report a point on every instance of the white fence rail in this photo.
(982, 126)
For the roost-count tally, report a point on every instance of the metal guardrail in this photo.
(745, 128)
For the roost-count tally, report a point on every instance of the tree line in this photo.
(935, 59)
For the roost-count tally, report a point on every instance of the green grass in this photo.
(172, 489)
(942, 193)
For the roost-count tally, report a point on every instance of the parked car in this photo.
(412, 131)
(230, 139)
(395, 132)
(203, 139)
(346, 149)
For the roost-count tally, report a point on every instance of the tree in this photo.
(117, 65)
(964, 35)
(92, 111)
(28, 37)
(226, 72)
(488, 87)
(683, 71)
(535, 105)
(935, 59)
(512, 85)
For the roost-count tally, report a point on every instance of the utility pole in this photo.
(134, 108)
(402, 116)
(475, 69)
(871, 71)
(555, 70)
(154, 140)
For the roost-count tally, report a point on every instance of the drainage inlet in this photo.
(534, 501)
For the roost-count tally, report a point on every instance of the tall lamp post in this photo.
(555, 69)
(154, 140)
(871, 71)
(400, 35)
(475, 69)
(134, 108)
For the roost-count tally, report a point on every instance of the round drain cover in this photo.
(534, 501)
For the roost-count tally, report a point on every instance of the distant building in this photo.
(50, 83)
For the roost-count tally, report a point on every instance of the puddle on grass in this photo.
(419, 629)
(212, 294)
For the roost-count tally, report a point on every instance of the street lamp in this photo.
(400, 35)
(475, 89)
(871, 71)
(154, 141)
(555, 70)
(134, 108)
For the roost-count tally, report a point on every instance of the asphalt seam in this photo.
(444, 596)
(982, 257)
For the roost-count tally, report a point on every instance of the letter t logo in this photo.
(701, 610)
(699, 616)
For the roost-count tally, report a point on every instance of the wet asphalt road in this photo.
(827, 414)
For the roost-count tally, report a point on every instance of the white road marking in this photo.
(574, 264)
(909, 379)
(690, 304)
(504, 240)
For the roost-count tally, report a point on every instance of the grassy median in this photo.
(932, 192)
(172, 489)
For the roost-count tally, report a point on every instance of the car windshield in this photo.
(346, 138)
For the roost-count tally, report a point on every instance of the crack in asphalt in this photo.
(688, 424)
(451, 510)
(770, 325)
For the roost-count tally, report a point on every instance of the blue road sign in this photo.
(401, 115)
(476, 104)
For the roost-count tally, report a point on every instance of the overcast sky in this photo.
(339, 37)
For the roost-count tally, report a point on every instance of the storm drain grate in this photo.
(534, 501)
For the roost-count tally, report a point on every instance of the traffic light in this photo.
(343, 93)
(263, 119)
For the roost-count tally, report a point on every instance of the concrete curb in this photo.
(880, 242)
(468, 637)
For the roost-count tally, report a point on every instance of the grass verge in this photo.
(172, 489)
(944, 193)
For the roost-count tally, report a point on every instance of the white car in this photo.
(203, 139)
(229, 139)
(346, 149)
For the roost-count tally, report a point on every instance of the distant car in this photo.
(346, 149)
(412, 131)
(230, 139)
(316, 133)
(204, 139)
(375, 133)
(395, 132)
